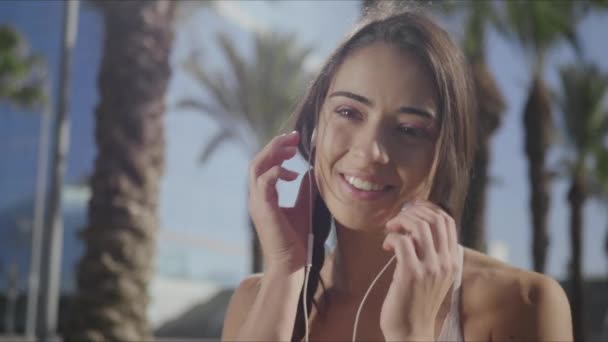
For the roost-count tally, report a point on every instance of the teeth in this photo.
(363, 185)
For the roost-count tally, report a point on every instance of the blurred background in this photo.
(126, 129)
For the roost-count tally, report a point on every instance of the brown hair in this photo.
(415, 33)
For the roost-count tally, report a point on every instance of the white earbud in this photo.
(313, 141)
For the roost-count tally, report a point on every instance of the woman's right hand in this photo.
(283, 232)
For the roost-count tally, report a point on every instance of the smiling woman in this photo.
(387, 126)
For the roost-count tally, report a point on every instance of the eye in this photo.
(348, 113)
(412, 131)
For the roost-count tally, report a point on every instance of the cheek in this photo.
(414, 169)
(333, 141)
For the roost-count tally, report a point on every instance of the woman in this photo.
(387, 128)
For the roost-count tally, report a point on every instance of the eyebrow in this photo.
(368, 102)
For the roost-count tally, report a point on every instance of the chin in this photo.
(363, 220)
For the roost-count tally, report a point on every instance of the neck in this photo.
(358, 258)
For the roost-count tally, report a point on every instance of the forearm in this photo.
(273, 312)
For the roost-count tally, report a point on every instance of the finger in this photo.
(451, 233)
(288, 175)
(267, 182)
(272, 157)
(437, 226)
(275, 152)
(404, 248)
(421, 233)
(450, 225)
(426, 241)
(405, 223)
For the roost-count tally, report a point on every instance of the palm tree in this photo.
(367, 4)
(538, 26)
(251, 102)
(583, 90)
(480, 17)
(21, 72)
(112, 276)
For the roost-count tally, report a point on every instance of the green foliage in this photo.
(21, 73)
(601, 170)
(582, 102)
(479, 17)
(583, 90)
(540, 24)
(257, 94)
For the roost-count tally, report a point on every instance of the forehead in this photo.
(388, 76)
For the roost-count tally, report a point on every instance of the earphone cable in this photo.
(307, 273)
(310, 247)
(365, 297)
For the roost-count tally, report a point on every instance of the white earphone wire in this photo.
(310, 246)
(369, 289)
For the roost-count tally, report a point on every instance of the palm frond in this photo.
(202, 107)
(583, 89)
(215, 84)
(214, 143)
(258, 91)
(23, 75)
(581, 102)
(238, 66)
(539, 25)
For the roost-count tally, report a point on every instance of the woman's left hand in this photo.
(424, 240)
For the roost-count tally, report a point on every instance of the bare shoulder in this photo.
(506, 303)
(240, 303)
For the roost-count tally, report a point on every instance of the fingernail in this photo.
(407, 205)
(290, 133)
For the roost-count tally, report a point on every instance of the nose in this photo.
(369, 146)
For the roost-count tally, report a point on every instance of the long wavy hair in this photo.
(413, 32)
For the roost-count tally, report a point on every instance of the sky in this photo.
(204, 205)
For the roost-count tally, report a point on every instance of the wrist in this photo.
(289, 274)
(284, 267)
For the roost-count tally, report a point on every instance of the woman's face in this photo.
(375, 146)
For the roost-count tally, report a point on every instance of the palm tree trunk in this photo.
(606, 242)
(490, 105)
(576, 198)
(473, 220)
(112, 277)
(537, 119)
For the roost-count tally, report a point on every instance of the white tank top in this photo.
(451, 330)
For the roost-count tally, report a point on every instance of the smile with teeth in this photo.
(361, 184)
